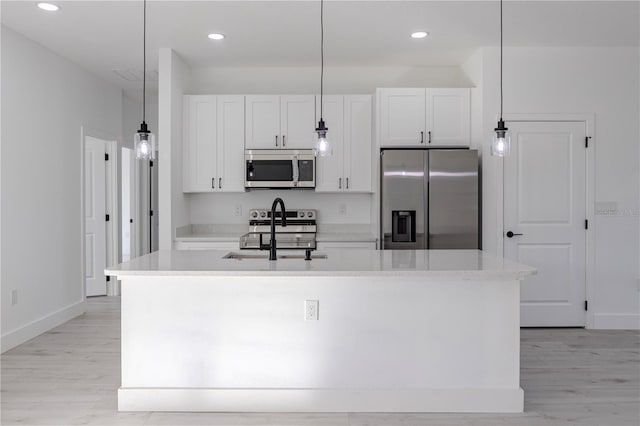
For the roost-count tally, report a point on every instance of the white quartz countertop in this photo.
(450, 264)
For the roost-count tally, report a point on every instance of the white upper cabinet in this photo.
(448, 116)
(199, 143)
(402, 116)
(297, 124)
(280, 122)
(330, 169)
(358, 143)
(213, 143)
(349, 119)
(230, 154)
(424, 117)
(262, 122)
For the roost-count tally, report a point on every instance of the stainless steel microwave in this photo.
(280, 168)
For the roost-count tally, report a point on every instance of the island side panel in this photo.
(400, 332)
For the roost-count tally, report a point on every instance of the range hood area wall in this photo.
(221, 208)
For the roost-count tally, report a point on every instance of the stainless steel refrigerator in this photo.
(430, 199)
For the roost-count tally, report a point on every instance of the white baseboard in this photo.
(322, 400)
(616, 321)
(35, 328)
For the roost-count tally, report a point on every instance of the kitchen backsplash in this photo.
(234, 208)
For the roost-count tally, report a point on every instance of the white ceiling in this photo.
(103, 36)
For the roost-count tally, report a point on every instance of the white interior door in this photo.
(545, 209)
(95, 217)
(126, 203)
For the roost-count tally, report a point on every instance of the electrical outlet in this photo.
(237, 210)
(343, 208)
(311, 310)
(14, 297)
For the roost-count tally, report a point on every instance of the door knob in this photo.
(511, 234)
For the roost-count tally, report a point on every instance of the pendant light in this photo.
(144, 140)
(501, 143)
(323, 146)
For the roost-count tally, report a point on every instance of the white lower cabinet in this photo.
(213, 143)
(369, 245)
(349, 119)
(206, 245)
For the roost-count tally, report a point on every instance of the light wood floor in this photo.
(69, 376)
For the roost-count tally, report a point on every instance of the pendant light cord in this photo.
(501, 95)
(321, 55)
(144, 60)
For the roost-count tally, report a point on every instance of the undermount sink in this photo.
(265, 256)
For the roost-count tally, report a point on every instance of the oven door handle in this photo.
(296, 170)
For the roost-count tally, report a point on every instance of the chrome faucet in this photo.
(272, 242)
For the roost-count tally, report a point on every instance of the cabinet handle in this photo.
(339, 183)
(220, 183)
(213, 183)
(429, 136)
(276, 140)
(347, 183)
(421, 137)
(283, 140)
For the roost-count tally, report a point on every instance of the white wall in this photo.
(337, 80)
(174, 78)
(46, 101)
(603, 81)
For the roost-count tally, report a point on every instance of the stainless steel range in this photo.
(300, 232)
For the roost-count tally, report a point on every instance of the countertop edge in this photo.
(448, 275)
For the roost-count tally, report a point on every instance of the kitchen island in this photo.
(393, 330)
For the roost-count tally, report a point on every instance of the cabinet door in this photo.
(262, 128)
(230, 125)
(329, 170)
(199, 145)
(448, 117)
(358, 143)
(402, 117)
(297, 121)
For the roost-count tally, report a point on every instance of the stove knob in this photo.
(263, 214)
(310, 215)
(254, 215)
(301, 214)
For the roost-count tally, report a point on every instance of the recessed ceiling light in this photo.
(216, 36)
(419, 34)
(49, 7)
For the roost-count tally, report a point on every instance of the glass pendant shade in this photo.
(501, 144)
(145, 143)
(323, 145)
